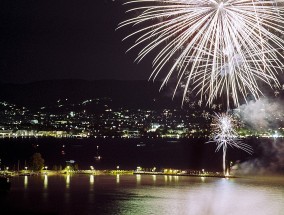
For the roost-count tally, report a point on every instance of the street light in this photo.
(92, 169)
(45, 169)
(117, 168)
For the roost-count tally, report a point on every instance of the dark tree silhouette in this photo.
(36, 162)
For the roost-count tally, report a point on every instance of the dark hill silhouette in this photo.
(136, 94)
(123, 93)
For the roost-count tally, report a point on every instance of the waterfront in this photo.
(134, 194)
(143, 194)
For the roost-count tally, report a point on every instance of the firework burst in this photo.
(215, 46)
(224, 135)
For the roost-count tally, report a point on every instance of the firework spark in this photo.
(224, 135)
(216, 46)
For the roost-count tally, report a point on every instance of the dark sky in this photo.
(62, 39)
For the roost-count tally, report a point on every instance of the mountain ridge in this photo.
(122, 92)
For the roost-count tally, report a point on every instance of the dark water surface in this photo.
(143, 194)
(127, 153)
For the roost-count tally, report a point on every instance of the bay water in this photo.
(143, 194)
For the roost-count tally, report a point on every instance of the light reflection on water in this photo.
(45, 182)
(92, 179)
(117, 179)
(26, 181)
(154, 178)
(138, 179)
(67, 181)
(143, 194)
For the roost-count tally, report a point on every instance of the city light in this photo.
(176, 123)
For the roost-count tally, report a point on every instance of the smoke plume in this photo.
(261, 114)
(264, 115)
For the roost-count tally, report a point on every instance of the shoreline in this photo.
(109, 172)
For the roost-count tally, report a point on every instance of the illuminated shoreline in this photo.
(113, 172)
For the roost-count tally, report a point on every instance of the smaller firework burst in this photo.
(224, 135)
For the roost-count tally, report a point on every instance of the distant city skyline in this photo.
(47, 39)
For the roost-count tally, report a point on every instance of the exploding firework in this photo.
(224, 135)
(215, 46)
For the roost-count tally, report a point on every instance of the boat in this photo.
(5, 183)
(98, 157)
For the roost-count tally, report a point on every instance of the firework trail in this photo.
(216, 46)
(224, 135)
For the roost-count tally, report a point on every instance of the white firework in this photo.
(224, 135)
(215, 46)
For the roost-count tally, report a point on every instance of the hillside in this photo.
(123, 93)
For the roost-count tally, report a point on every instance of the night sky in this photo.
(65, 39)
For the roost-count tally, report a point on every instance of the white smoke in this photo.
(261, 114)
(264, 115)
(270, 162)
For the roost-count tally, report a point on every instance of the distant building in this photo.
(6, 133)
